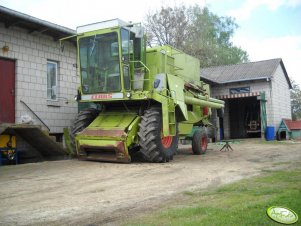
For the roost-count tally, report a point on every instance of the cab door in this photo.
(126, 49)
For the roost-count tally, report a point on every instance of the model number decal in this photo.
(102, 96)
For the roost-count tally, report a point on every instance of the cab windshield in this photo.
(99, 63)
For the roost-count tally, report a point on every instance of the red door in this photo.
(7, 91)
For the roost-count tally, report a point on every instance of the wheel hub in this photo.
(203, 143)
(166, 141)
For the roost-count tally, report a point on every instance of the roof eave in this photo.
(37, 21)
(209, 81)
(240, 80)
(286, 75)
(247, 79)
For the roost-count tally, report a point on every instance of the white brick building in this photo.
(35, 73)
(255, 91)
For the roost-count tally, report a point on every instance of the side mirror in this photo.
(78, 97)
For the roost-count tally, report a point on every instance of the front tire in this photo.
(153, 146)
(82, 120)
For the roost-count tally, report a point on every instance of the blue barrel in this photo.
(221, 134)
(269, 133)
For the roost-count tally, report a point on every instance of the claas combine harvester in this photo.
(145, 99)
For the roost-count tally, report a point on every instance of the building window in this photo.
(239, 90)
(52, 81)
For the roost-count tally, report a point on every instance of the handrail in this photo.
(143, 66)
(136, 80)
(35, 114)
(138, 61)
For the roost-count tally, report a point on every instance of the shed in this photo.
(289, 129)
(256, 95)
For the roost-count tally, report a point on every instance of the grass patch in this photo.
(275, 142)
(241, 203)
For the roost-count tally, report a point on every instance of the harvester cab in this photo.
(108, 52)
(144, 100)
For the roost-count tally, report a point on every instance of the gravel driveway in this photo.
(72, 192)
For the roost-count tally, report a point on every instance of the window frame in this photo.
(81, 41)
(239, 90)
(56, 80)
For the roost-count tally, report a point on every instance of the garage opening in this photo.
(245, 121)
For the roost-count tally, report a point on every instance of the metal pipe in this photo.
(35, 114)
(202, 97)
(204, 103)
(211, 99)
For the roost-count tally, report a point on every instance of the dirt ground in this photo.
(71, 192)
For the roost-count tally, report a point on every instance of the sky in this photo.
(267, 28)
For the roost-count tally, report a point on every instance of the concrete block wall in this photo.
(31, 53)
(281, 100)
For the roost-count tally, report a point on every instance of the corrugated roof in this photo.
(243, 72)
(291, 125)
(14, 18)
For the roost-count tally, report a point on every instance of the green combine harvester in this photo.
(143, 99)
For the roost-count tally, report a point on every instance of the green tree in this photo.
(196, 31)
(296, 101)
(167, 26)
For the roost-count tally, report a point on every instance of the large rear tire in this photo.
(200, 141)
(82, 120)
(153, 146)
